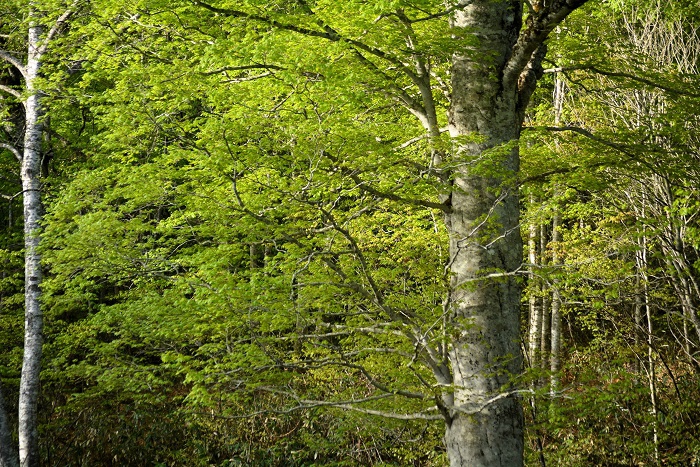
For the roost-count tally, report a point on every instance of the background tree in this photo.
(616, 302)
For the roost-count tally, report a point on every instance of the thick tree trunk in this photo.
(31, 187)
(493, 77)
(485, 243)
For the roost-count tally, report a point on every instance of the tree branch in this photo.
(616, 146)
(393, 415)
(11, 91)
(304, 404)
(562, 170)
(538, 27)
(443, 13)
(14, 61)
(55, 29)
(418, 138)
(330, 35)
(365, 329)
(13, 150)
(616, 74)
(327, 33)
(362, 185)
(352, 405)
(242, 68)
(474, 408)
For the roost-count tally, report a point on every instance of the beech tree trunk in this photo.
(485, 240)
(547, 308)
(492, 81)
(555, 343)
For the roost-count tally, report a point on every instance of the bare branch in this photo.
(13, 150)
(351, 404)
(474, 408)
(242, 68)
(11, 91)
(495, 275)
(14, 61)
(56, 28)
(616, 74)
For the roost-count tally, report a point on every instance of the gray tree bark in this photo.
(8, 456)
(484, 237)
(535, 312)
(546, 328)
(555, 344)
(30, 159)
(492, 82)
(33, 316)
(555, 328)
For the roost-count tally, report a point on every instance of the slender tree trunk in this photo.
(555, 342)
(686, 331)
(652, 377)
(30, 173)
(555, 350)
(638, 323)
(31, 187)
(535, 325)
(8, 456)
(642, 303)
(545, 329)
(535, 314)
(651, 374)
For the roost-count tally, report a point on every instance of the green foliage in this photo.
(621, 191)
(236, 235)
(218, 254)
